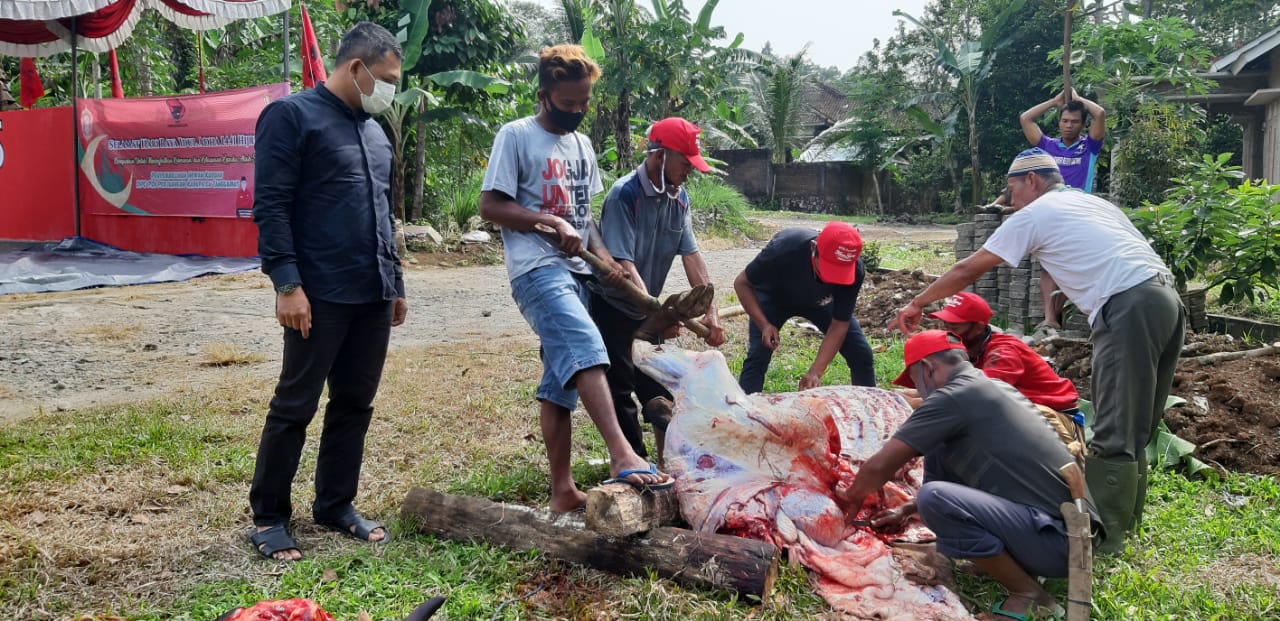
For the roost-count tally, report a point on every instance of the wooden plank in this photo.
(620, 510)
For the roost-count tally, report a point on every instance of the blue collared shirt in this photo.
(322, 200)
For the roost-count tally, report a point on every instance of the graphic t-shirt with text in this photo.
(547, 173)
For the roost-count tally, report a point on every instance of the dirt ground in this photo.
(61, 351)
(1231, 413)
(104, 346)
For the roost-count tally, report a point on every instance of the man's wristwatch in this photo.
(287, 288)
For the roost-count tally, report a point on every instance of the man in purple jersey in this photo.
(1077, 159)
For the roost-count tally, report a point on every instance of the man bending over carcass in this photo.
(992, 489)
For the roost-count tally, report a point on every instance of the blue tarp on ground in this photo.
(77, 263)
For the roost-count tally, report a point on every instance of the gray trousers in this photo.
(971, 523)
(1137, 337)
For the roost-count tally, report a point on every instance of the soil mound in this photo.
(1231, 413)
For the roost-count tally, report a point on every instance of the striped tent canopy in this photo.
(44, 27)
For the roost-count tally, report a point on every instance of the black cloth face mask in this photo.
(568, 121)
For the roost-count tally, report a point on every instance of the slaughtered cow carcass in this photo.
(767, 466)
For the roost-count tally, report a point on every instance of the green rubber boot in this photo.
(1114, 486)
(1140, 495)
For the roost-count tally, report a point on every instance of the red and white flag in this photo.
(31, 87)
(117, 89)
(312, 66)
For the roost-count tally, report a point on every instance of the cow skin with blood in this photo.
(767, 466)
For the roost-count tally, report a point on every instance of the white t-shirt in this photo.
(546, 173)
(1085, 242)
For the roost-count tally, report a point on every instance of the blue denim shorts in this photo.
(554, 302)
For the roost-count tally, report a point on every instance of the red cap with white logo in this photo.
(839, 246)
(680, 136)
(964, 307)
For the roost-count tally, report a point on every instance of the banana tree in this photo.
(969, 64)
(420, 105)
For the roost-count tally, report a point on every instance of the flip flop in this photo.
(652, 469)
(364, 527)
(998, 609)
(274, 539)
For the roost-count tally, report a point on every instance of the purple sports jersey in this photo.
(1077, 162)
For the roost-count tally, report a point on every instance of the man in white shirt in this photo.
(1110, 271)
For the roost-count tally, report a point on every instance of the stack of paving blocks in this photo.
(1013, 292)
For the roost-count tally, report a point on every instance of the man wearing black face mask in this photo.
(542, 173)
(322, 203)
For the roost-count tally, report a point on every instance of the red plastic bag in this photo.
(282, 610)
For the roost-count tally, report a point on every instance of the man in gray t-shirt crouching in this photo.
(992, 490)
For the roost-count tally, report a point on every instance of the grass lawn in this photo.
(139, 511)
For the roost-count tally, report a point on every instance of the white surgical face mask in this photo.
(383, 94)
(674, 190)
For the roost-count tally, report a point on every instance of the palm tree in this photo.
(778, 91)
(969, 63)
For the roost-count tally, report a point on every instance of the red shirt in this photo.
(1007, 358)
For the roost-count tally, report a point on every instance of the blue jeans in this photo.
(554, 302)
(855, 350)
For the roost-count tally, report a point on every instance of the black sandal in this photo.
(363, 527)
(275, 539)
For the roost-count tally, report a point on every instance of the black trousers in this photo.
(616, 328)
(347, 348)
(855, 349)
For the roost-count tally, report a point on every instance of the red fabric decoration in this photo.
(117, 89)
(312, 66)
(283, 610)
(32, 89)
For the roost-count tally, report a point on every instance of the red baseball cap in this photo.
(680, 136)
(925, 344)
(964, 307)
(839, 246)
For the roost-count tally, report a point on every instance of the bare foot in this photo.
(568, 503)
(289, 554)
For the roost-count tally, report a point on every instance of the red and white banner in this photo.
(171, 156)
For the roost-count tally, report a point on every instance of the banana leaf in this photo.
(1165, 449)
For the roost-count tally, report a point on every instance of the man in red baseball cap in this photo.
(674, 135)
(991, 488)
(810, 274)
(645, 224)
(1005, 357)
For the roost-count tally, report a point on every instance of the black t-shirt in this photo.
(784, 271)
(988, 436)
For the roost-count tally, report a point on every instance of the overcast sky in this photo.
(839, 31)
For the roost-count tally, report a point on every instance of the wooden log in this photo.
(620, 510)
(745, 566)
(1225, 356)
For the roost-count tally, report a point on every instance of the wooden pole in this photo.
(1066, 51)
(745, 566)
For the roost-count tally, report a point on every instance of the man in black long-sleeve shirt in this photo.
(325, 233)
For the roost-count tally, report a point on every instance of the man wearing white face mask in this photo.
(322, 203)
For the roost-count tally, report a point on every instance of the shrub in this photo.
(463, 203)
(719, 208)
(871, 255)
(1211, 232)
